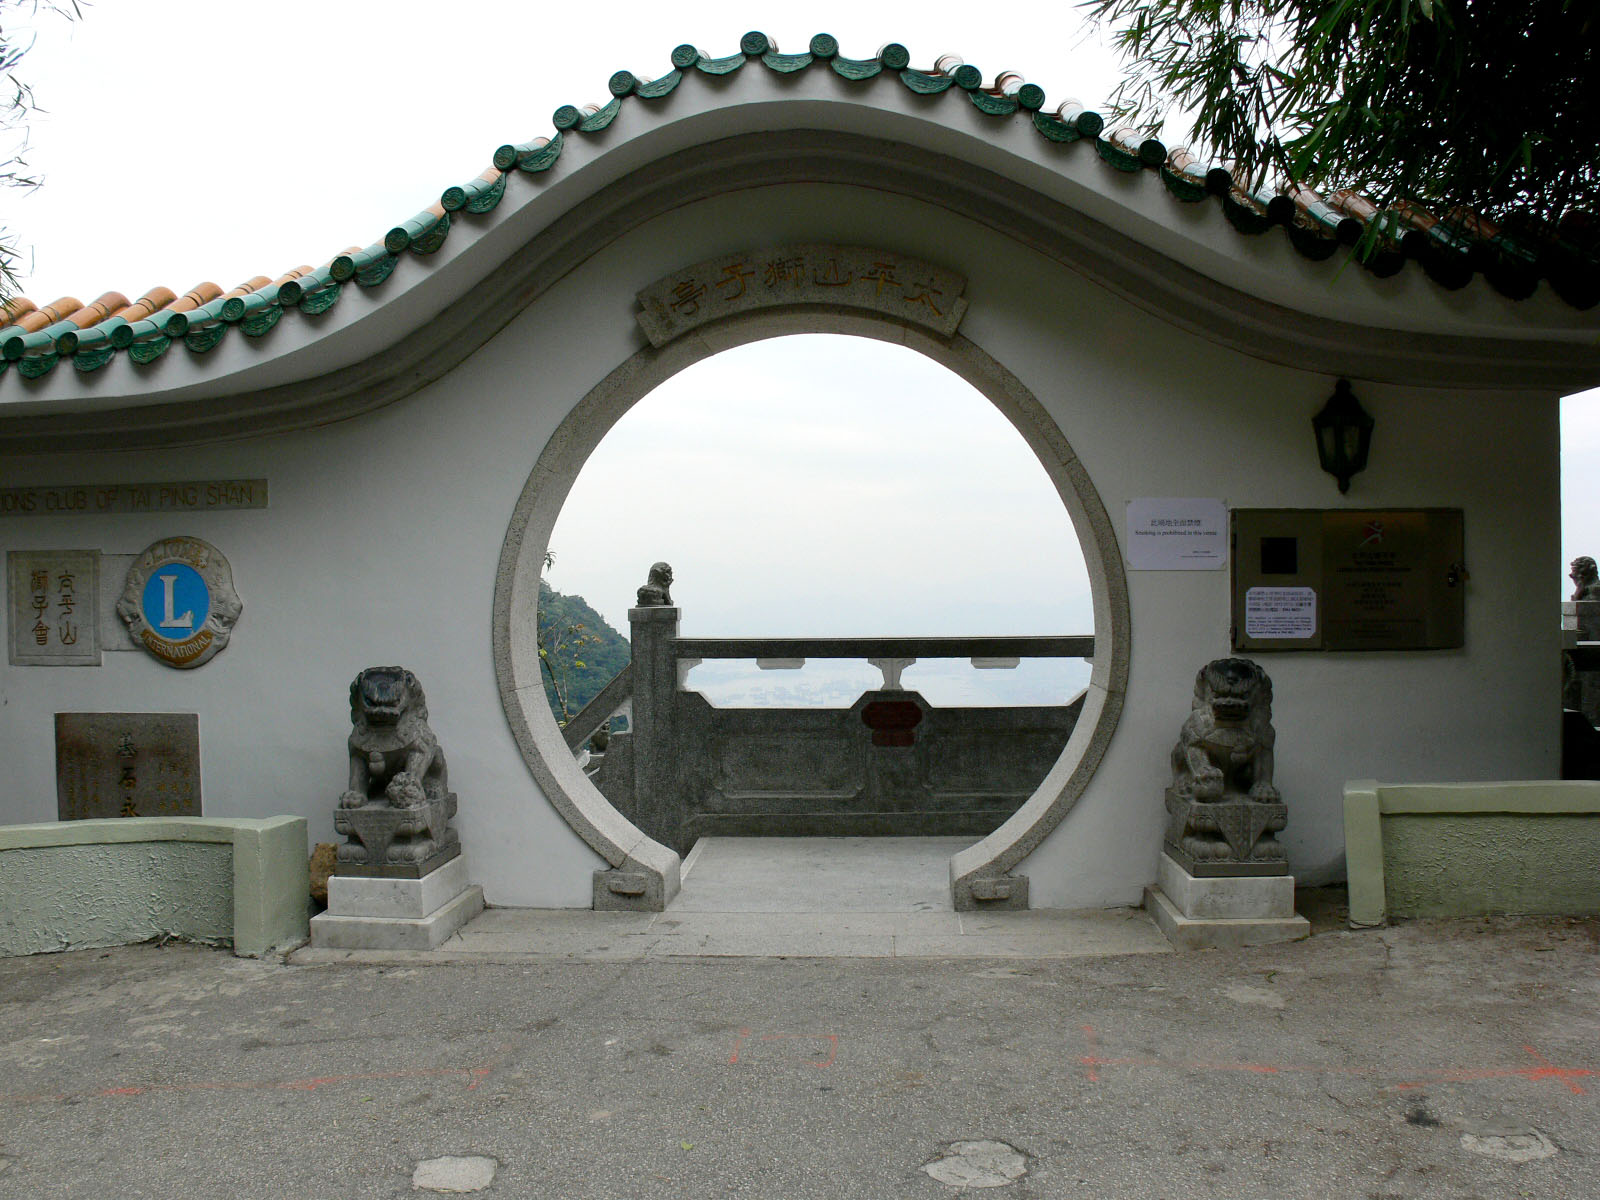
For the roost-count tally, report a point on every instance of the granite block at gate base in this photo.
(387, 896)
(1225, 897)
(330, 931)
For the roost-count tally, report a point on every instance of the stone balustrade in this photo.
(891, 764)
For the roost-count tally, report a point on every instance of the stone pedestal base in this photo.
(1199, 913)
(396, 914)
(397, 843)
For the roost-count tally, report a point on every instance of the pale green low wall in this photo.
(70, 885)
(1467, 849)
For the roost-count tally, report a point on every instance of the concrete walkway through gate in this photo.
(795, 898)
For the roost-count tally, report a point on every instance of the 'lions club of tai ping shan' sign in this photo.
(179, 602)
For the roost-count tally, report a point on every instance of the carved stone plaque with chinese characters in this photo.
(127, 765)
(53, 607)
(906, 289)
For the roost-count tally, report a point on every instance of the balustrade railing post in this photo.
(658, 806)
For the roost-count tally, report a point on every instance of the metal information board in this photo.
(1346, 579)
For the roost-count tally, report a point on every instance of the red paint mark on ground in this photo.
(1543, 1069)
(831, 1038)
(1090, 1060)
(298, 1085)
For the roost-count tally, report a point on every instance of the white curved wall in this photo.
(383, 537)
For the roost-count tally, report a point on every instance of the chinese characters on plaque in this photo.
(54, 607)
(842, 276)
(1166, 534)
(127, 765)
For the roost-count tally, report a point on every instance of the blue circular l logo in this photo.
(176, 602)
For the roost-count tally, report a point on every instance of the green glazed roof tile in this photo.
(540, 157)
(206, 339)
(259, 322)
(994, 106)
(370, 272)
(148, 350)
(37, 366)
(480, 195)
(855, 69)
(786, 64)
(968, 78)
(1055, 128)
(1117, 157)
(321, 300)
(85, 361)
(720, 66)
(596, 121)
(658, 88)
(924, 84)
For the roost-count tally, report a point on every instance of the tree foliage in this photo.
(1493, 105)
(578, 652)
(17, 109)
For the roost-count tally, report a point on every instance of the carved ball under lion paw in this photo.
(352, 800)
(405, 792)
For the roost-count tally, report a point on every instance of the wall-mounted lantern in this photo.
(1344, 435)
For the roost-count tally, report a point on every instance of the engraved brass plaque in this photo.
(1348, 579)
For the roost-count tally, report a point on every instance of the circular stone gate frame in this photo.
(643, 873)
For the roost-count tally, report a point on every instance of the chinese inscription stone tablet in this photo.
(127, 765)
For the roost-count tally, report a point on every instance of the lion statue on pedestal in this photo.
(1225, 747)
(1223, 809)
(393, 754)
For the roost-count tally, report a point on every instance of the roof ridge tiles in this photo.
(1451, 249)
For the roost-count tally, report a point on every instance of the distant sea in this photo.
(837, 683)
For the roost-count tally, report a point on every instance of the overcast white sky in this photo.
(196, 140)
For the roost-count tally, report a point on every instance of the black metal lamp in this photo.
(1344, 435)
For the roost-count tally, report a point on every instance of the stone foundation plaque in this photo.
(127, 765)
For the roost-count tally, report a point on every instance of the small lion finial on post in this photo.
(656, 592)
(1585, 578)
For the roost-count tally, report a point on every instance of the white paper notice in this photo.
(1280, 612)
(1177, 535)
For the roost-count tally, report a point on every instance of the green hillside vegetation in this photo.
(579, 652)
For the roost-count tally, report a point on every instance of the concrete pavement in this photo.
(1434, 1059)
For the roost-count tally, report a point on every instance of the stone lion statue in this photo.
(656, 592)
(1225, 747)
(1585, 578)
(393, 754)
